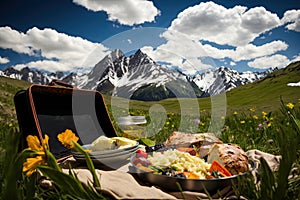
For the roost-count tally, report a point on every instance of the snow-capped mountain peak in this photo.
(140, 77)
(224, 79)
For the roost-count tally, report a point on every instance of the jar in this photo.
(133, 127)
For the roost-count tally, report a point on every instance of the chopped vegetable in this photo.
(216, 168)
(143, 161)
(191, 175)
(147, 169)
(141, 153)
(147, 142)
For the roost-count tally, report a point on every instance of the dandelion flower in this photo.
(255, 117)
(235, 113)
(67, 138)
(290, 105)
(242, 122)
(263, 113)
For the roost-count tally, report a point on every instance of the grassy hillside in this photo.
(8, 88)
(265, 94)
(262, 95)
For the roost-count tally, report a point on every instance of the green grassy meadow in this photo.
(263, 115)
(8, 88)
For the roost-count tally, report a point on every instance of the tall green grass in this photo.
(272, 132)
(275, 133)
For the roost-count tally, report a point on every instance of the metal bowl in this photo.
(181, 184)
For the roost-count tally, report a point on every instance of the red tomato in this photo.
(141, 153)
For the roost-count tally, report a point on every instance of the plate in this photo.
(181, 184)
(108, 159)
(105, 152)
(96, 155)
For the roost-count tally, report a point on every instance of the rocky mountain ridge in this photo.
(139, 77)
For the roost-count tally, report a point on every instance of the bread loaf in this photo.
(233, 157)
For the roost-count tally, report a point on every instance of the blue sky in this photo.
(72, 36)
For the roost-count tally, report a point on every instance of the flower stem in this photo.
(89, 163)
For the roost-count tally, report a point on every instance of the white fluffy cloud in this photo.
(12, 39)
(179, 51)
(126, 12)
(296, 58)
(235, 26)
(251, 51)
(267, 62)
(71, 52)
(218, 27)
(292, 18)
(45, 65)
(246, 52)
(4, 60)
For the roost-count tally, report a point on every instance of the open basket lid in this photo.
(52, 109)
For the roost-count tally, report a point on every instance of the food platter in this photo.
(182, 184)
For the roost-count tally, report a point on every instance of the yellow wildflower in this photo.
(242, 122)
(167, 123)
(32, 163)
(269, 124)
(34, 143)
(67, 137)
(264, 113)
(255, 117)
(290, 105)
(252, 109)
(235, 113)
(10, 124)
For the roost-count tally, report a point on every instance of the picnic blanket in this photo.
(119, 184)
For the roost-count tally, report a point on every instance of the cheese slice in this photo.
(103, 143)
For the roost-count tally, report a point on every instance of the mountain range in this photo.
(141, 78)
